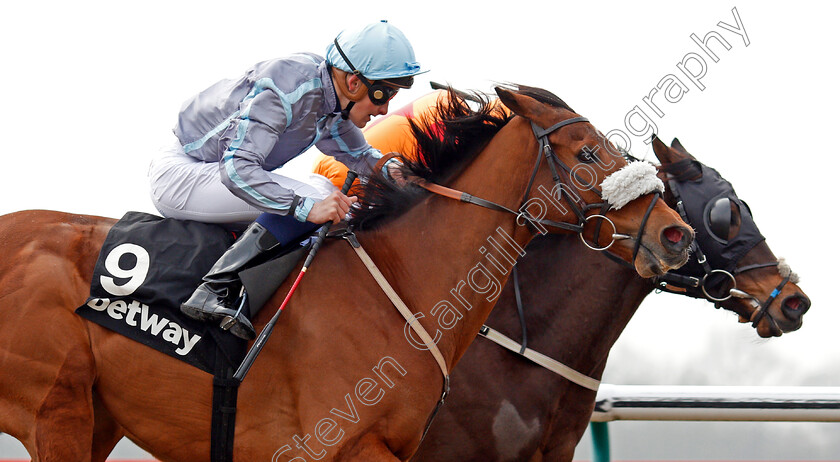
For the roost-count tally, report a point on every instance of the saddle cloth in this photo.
(148, 265)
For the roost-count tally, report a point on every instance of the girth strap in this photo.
(553, 365)
(223, 410)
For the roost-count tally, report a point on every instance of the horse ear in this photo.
(689, 168)
(675, 144)
(665, 154)
(520, 104)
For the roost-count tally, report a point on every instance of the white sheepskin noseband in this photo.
(631, 181)
(785, 271)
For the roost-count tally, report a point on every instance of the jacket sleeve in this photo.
(347, 144)
(257, 129)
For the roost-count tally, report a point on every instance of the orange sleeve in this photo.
(334, 170)
(390, 133)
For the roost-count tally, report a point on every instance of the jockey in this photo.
(233, 136)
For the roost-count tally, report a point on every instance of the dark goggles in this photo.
(379, 91)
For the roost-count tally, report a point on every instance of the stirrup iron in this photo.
(230, 321)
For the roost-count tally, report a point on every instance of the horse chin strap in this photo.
(579, 208)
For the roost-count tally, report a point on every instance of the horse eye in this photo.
(586, 156)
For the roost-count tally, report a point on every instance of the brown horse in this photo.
(340, 379)
(505, 408)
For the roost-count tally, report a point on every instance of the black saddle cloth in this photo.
(149, 265)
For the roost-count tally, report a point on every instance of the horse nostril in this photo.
(673, 234)
(795, 306)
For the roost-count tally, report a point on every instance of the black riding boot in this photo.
(216, 297)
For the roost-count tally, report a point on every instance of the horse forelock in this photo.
(445, 139)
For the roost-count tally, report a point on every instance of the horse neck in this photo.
(576, 302)
(441, 251)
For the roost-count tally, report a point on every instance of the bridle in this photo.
(578, 206)
(670, 282)
(702, 286)
(714, 276)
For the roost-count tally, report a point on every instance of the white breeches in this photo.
(186, 188)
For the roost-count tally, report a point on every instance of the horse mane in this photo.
(539, 94)
(446, 139)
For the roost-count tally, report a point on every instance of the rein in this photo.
(579, 207)
(545, 147)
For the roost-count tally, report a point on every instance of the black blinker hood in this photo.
(697, 197)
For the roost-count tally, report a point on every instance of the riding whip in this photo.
(266, 331)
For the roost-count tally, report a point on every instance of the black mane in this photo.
(447, 138)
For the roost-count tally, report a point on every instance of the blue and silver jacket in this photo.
(258, 122)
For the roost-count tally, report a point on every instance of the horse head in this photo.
(616, 205)
(732, 266)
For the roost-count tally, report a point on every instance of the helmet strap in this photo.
(340, 78)
(345, 113)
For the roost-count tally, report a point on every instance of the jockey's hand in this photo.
(333, 208)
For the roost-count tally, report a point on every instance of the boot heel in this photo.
(227, 322)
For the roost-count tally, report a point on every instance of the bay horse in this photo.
(505, 407)
(576, 302)
(340, 379)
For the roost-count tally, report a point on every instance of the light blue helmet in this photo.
(378, 51)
